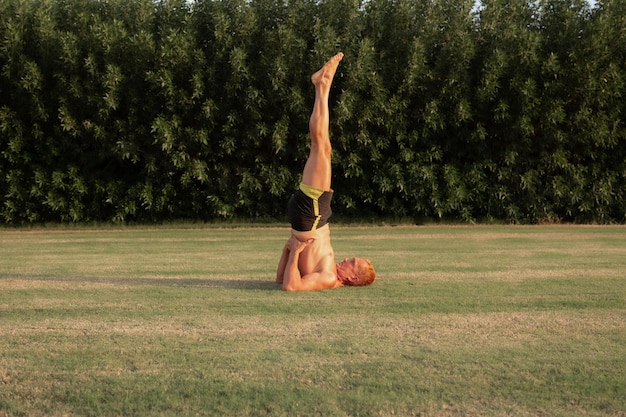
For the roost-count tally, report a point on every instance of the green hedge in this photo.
(136, 110)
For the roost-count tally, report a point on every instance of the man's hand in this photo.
(296, 246)
(291, 252)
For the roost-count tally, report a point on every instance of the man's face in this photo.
(350, 267)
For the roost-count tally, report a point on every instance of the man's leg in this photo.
(317, 171)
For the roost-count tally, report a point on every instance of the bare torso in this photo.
(318, 256)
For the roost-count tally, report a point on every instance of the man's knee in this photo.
(321, 148)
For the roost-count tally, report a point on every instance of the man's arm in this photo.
(293, 281)
(280, 271)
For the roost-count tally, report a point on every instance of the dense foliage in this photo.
(136, 110)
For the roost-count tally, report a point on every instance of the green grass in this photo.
(480, 321)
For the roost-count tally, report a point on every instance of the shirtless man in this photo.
(308, 260)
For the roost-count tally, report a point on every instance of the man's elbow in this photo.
(290, 288)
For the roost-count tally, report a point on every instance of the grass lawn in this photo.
(182, 321)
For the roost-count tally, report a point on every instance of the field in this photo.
(184, 321)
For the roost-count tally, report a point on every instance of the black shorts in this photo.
(309, 208)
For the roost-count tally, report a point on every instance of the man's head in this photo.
(356, 272)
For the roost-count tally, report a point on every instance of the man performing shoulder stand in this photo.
(308, 260)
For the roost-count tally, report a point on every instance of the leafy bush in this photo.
(146, 111)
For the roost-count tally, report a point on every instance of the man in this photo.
(307, 261)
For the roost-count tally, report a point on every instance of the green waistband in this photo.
(312, 192)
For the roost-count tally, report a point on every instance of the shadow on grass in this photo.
(244, 284)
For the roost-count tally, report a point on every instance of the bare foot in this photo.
(327, 72)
